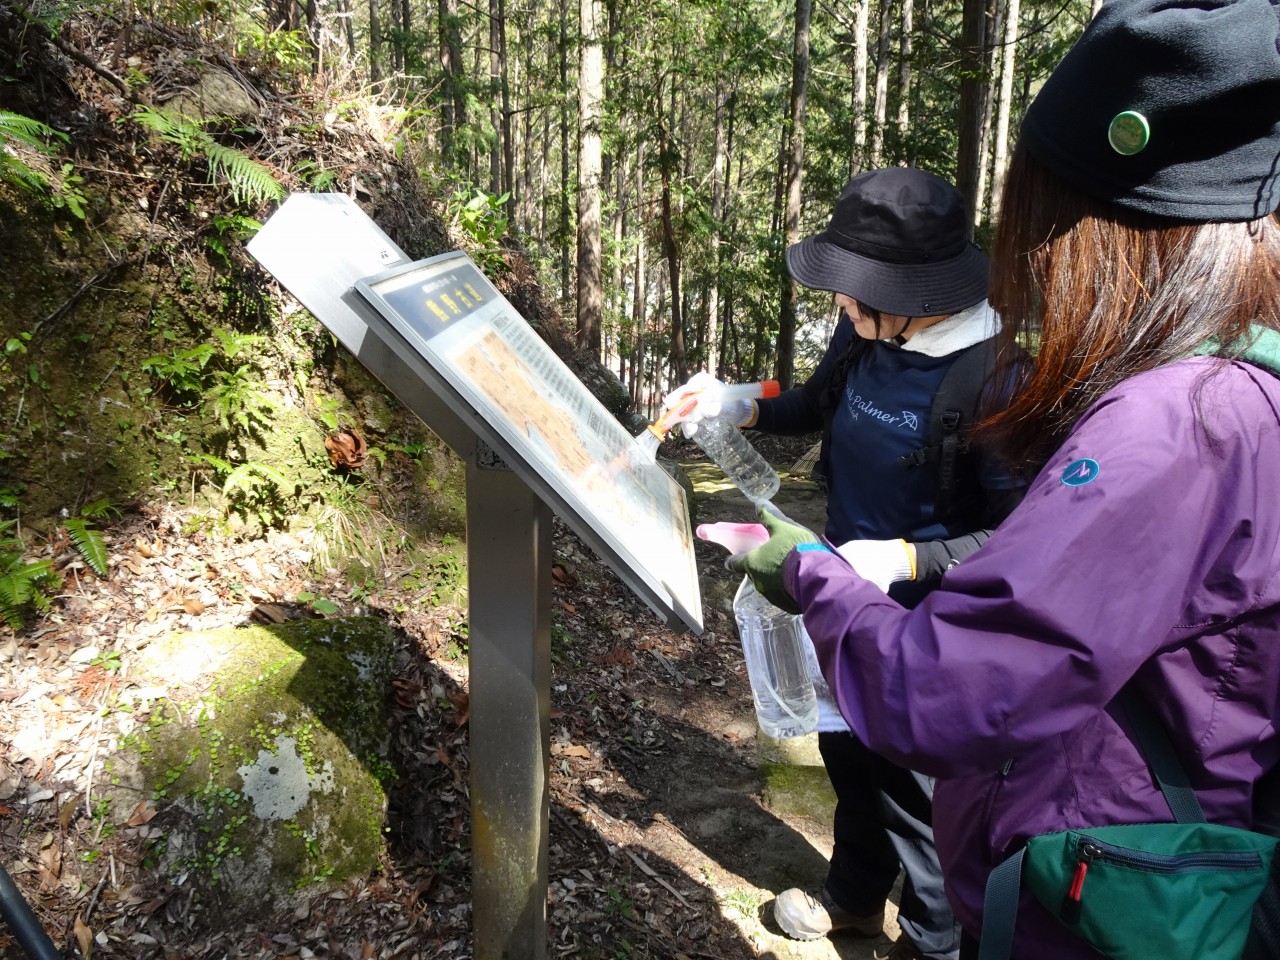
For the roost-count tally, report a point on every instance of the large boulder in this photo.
(258, 762)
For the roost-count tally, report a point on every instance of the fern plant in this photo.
(88, 543)
(254, 490)
(182, 370)
(249, 180)
(204, 373)
(235, 401)
(31, 133)
(25, 586)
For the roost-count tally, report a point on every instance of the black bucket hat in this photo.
(1169, 107)
(897, 242)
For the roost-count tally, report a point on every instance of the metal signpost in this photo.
(455, 352)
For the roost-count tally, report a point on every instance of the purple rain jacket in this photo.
(1148, 548)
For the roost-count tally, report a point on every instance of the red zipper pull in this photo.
(1072, 903)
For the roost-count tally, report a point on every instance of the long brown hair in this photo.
(1100, 294)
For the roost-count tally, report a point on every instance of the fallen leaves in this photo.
(142, 813)
(559, 749)
(346, 449)
(605, 730)
(84, 937)
(49, 865)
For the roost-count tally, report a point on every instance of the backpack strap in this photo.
(1263, 942)
(1004, 885)
(950, 415)
(1000, 908)
(1153, 742)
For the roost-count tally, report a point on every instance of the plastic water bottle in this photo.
(742, 463)
(786, 705)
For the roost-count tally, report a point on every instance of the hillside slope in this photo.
(145, 351)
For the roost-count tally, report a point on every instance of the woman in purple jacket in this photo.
(1138, 246)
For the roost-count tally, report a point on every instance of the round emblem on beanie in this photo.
(1128, 133)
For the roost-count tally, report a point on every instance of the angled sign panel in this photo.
(502, 379)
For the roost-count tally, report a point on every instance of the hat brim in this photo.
(902, 289)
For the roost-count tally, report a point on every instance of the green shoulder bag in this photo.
(1188, 890)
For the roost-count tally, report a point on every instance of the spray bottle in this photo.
(721, 440)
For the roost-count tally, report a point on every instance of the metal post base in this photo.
(509, 559)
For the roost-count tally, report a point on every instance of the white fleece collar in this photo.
(964, 329)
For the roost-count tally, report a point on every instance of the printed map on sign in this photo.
(523, 393)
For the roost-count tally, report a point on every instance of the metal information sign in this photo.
(517, 394)
(456, 353)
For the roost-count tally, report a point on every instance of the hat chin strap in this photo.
(901, 336)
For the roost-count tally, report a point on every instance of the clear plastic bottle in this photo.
(786, 705)
(733, 453)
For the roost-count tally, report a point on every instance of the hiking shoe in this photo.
(803, 916)
(900, 949)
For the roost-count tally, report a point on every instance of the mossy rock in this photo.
(794, 790)
(263, 756)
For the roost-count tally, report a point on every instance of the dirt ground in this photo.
(661, 844)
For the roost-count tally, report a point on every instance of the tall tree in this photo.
(882, 83)
(858, 35)
(406, 30)
(904, 79)
(590, 97)
(348, 30)
(973, 99)
(1000, 160)
(639, 299)
(453, 109)
(667, 170)
(496, 69)
(522, 180)
(791, 216)
(375, 41)
(504, 92)
(564, 150)
(719, 163)
(991, 20)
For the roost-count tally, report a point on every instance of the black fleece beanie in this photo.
(1171, 107)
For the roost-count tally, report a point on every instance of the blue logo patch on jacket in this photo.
(1079, 472)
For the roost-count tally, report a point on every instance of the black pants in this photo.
(883, 823)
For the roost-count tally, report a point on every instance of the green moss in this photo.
(267, 760)
(798, 791)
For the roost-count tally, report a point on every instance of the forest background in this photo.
(659, 157)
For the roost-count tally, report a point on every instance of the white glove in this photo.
(881, 561)
(697, 383)
(739, 412)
